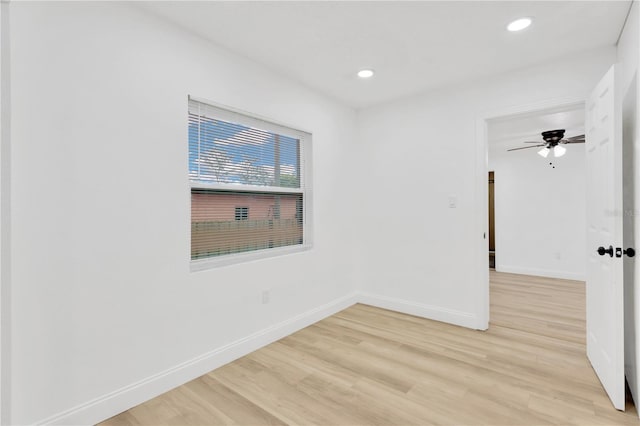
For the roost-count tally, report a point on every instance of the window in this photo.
(242, 213)
(248, 184)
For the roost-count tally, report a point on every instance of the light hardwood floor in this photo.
(369, 366)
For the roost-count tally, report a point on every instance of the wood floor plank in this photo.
(370, 366)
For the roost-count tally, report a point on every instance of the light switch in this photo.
(453, 201)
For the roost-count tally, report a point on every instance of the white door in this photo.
(605, 320)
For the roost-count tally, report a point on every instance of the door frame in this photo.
(482, 191)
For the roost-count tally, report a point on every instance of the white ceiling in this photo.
(512, 132)
(413, 46)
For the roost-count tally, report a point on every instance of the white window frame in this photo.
(234, 115)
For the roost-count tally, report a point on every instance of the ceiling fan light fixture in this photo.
(544, 152)
(559, 151)
(366, 73)
(519, 24)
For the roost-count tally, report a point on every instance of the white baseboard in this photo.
(540, 272)
(464, 319)
(108, 405)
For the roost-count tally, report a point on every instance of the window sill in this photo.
(238, 258)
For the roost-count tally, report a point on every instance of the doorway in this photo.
(482, 189)
(539, 203)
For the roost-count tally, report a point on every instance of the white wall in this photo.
(5, 223)
(105, 311)
(627, 84)
(416, 253)
(540, 212)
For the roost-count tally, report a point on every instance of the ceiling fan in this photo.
(553, 140)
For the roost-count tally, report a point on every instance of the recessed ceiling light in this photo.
(365, 73)
(519, 24)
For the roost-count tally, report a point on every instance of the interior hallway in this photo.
(367, 365)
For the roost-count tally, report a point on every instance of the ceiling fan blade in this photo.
(526, 147)
(575, 137)
(531, 142)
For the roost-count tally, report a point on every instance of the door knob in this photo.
(602, 251)
(630, 252)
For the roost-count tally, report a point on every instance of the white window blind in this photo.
(247, 183)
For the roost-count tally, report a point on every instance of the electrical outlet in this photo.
(558, 255)
(266, 296)
(453, 201)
